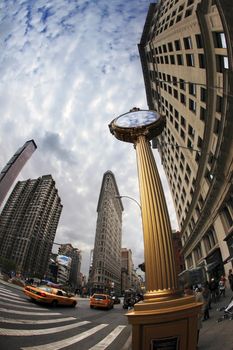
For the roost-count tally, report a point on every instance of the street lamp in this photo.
(119, 197)
(164, 319)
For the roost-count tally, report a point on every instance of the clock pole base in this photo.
(170, 324)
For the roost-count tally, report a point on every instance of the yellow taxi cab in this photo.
(49, 295)
(101, 300)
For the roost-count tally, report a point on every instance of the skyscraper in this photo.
(28, 224)
(105, 273)
(187, 63)
(14, 166)
(75, 255)
(126, 269)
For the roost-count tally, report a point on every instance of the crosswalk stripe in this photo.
(66, 342)
(57, 320)
(15, 300)
(3, 290)
(11, 296)
(26, 332)
(103, 344)
(23, 307)
(28, 312)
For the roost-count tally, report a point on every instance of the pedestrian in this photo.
(230, 279)
(213, 285)
(206, 299)
(188, 290)
(222, 286)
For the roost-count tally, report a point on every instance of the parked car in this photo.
(101, 300)
(53, 296)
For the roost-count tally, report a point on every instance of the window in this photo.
(188, 170)
(190, 60)
(174, 81)
(202, 113)
(181, 7)
(170, 47)
(227, 216)
(219, 104)
(220, 40)
(199, 142)
(222, 63)
(182, 134)
(199, 41)
(192, 89)
(182, 84)
(190, 2)
(180, 60)
(192, 105)
(197, 157)
(177, 45)
(210, 240)
(191, 131)
(188, 43)
(188, 12)
(172, 59)
(202, 63)
(203, 94)
(216, 126)
(190, 145)
(182, 157)
(182, 99)
(198, 252)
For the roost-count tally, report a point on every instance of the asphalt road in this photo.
(29, 326)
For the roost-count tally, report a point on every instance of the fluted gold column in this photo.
(161, 279)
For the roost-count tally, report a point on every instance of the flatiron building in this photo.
(105, 272)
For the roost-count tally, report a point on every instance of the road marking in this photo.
(26, 332)
(28, 313)
(13, 300)
(69, 341)
(103, 344)
(57, 320)
(13, 296)
(24, 307)
(6, 291)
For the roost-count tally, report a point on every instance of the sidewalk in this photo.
(214, 335)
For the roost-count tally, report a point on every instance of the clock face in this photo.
(136, 119)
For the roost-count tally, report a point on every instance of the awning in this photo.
(211, 266)
(227, 260)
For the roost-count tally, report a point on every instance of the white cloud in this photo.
(67, 69)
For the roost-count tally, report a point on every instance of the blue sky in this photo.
(67, 69)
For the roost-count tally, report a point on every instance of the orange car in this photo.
(53, 296)
(101, 300)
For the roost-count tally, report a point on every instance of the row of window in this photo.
(188, 44)
(209, 241)
(175, 16)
